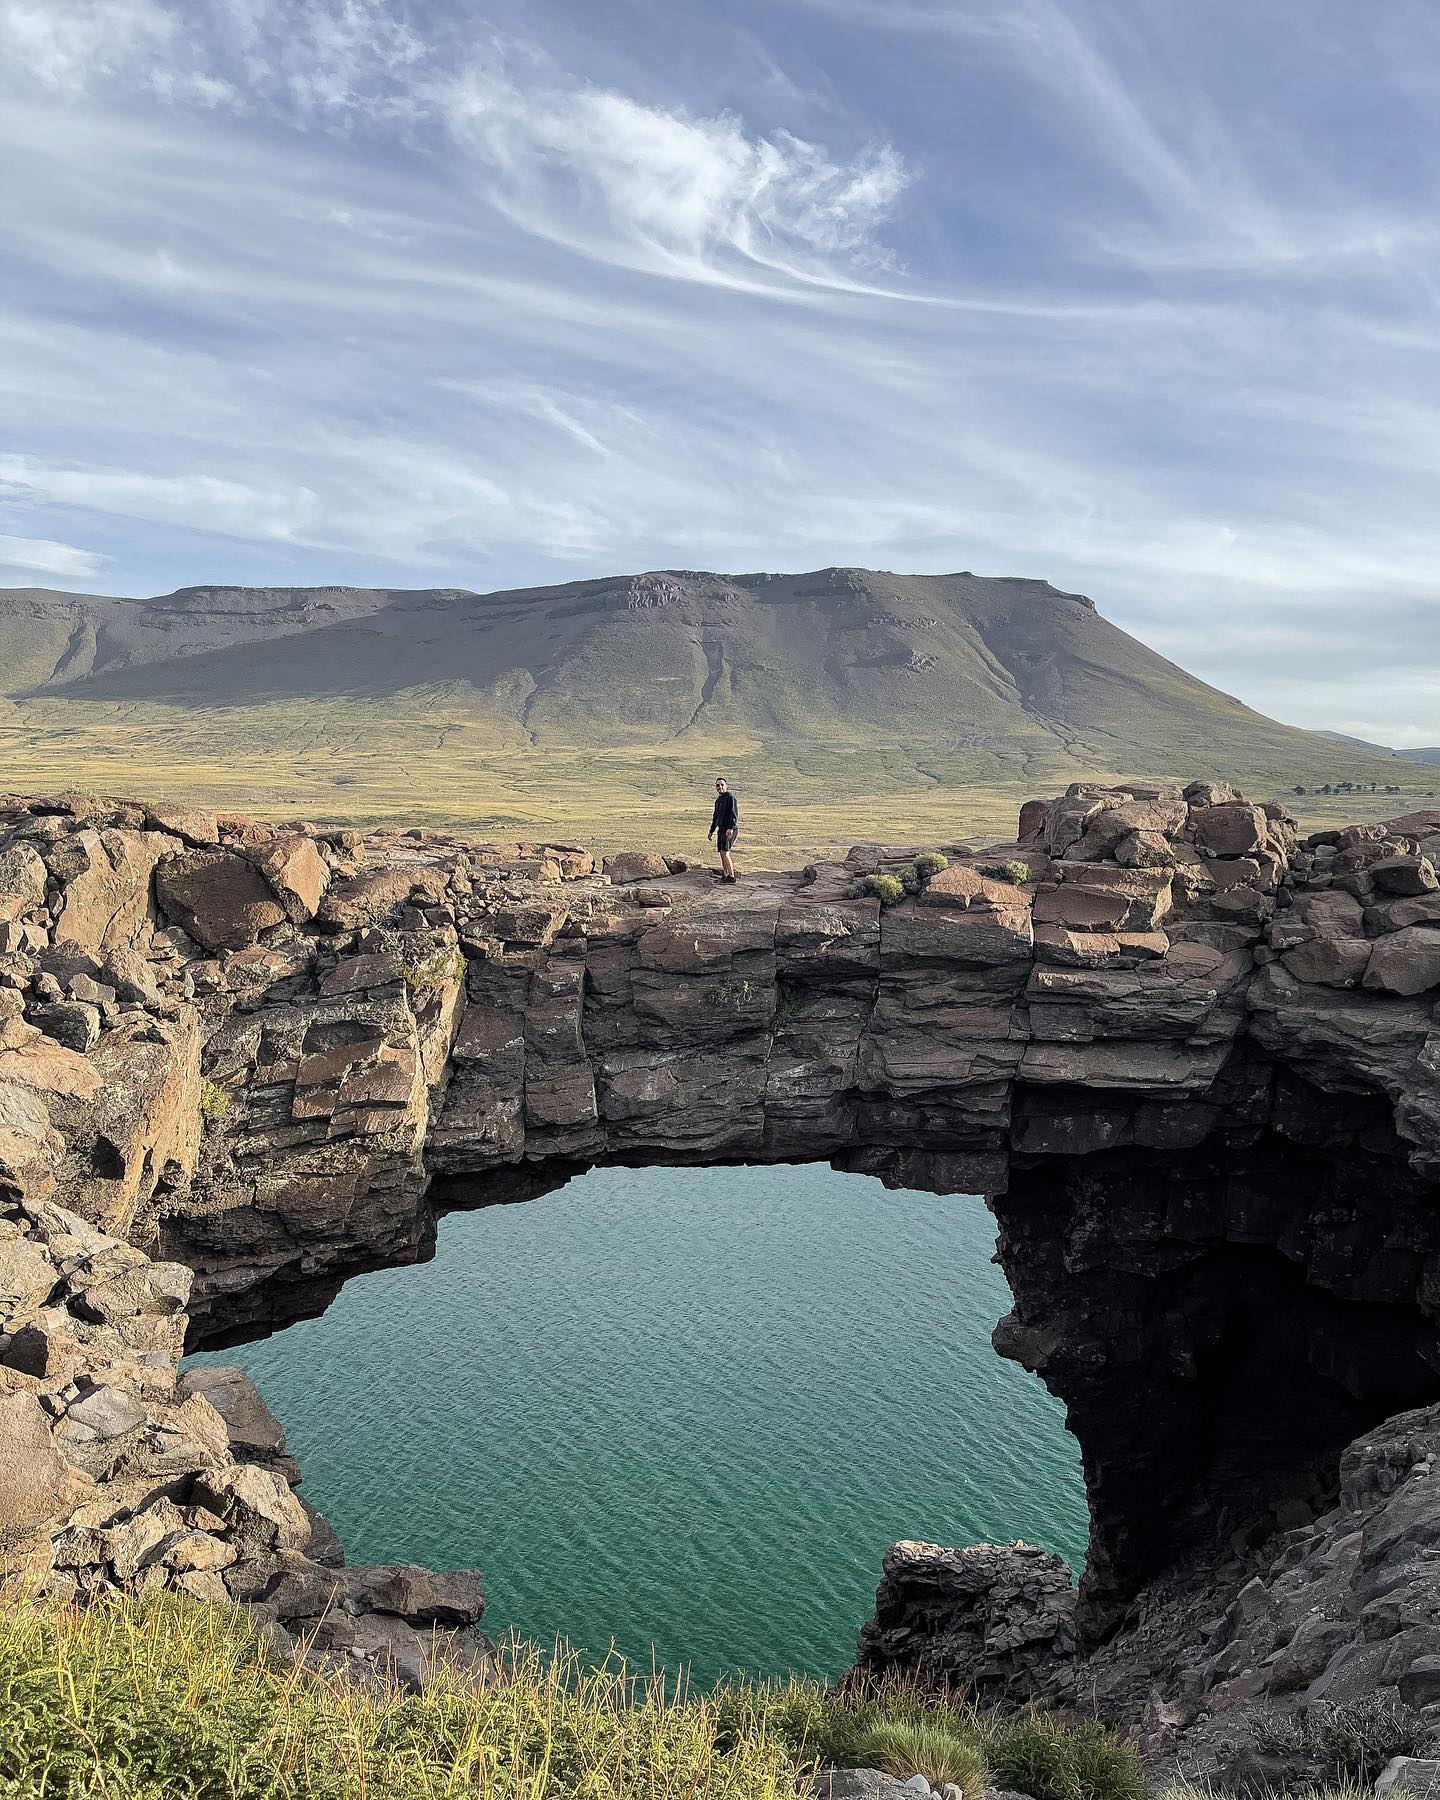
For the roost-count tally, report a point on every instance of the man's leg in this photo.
(727, 866)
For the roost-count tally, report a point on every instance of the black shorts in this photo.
(726, 838)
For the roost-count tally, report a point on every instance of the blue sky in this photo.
(1139, 297)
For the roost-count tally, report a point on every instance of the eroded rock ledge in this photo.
(1192, 1061)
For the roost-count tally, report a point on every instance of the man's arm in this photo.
(714, 817)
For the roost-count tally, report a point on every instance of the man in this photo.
(724, 823)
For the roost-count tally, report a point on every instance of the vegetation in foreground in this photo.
(171, 1700)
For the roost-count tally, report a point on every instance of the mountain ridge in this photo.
(841, 701)
(956, 658)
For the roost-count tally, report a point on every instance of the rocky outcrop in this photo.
(994, 1620)
(1220, 1661)
(1192, 1060)
(117, 1475)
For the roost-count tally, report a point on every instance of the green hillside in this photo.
(844, 702)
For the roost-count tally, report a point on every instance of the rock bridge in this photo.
(1192, 1062)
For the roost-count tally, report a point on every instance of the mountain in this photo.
(1431, 754)
(953, 661)
(848, 702)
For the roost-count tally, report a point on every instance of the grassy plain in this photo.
(354, 763)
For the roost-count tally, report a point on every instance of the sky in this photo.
(1142, 298)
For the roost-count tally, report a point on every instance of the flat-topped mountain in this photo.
(840, 704)
(1012, 667)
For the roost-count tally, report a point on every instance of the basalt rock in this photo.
(119, 1476)
(993, 1620)
(1210, 1132)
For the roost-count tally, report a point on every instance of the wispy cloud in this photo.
(42, 556)
(672, 193)
(1141, 300)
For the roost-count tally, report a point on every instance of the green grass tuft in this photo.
(921, 1748)
(1013, 872)
(1351, 1741)
(931, 862)
(885, 888)
(1049, 1760)
(214, 1101)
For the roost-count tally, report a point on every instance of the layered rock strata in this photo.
(1192, 1060)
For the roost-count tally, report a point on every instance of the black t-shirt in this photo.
(726, 816)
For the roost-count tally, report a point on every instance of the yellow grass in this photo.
(798, 800)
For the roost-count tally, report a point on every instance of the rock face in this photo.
(117, 1477)
(1340, 1607)
(995, 1620)
(1193, 1062)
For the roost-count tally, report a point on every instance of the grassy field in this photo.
(173, 1700)
(359, 764)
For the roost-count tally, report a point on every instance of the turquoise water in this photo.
(681, 1408)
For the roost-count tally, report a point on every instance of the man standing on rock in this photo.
(724, 824)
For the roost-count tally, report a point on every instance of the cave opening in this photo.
(682, 1407)
(1220, 1325)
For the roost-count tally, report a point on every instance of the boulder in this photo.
(1331, 911)
(69, 1022)
(50, 1070)
(1210, 793)
(256, 1504)
(376, 895)
(197, 828)
(1079, 908)
(1406, 962)
(959, 885)
(217, 897)
(1415, 1775)
(27, 1277)
(1405, 876)
(634, 865)
(1395, 915)
(1420, 1684)
(974, 936)
(1145, 850)
(1069, 818)
(419, 1596)
(35, 1483)
(1097, 949)
(1246, 904)
(106, 876)
(102, 1412)
(1338, 962)
(1102, 896)
(297, 873)
(131, 975)
(255, 1434)
(860, 1784)
(22, 880)
(1112, 825)
(1229, 828)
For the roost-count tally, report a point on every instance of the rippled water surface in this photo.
(681, 1408)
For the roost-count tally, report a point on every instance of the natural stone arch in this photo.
(1170, 1123)
(1187, 1058)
